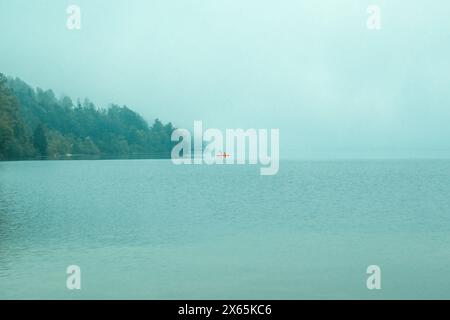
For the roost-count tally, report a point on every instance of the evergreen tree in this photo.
(36, 123)
(40, 140)
(14, 143)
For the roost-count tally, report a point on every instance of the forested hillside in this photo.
(34, 124)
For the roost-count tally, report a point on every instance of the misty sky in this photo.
(310, 68)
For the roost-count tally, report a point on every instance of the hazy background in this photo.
(310, 68)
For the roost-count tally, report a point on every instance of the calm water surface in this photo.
(146, 229)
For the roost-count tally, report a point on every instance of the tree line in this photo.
(34, 124)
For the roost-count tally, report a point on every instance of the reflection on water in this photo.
(149, 229)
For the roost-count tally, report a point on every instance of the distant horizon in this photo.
(319, 155)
